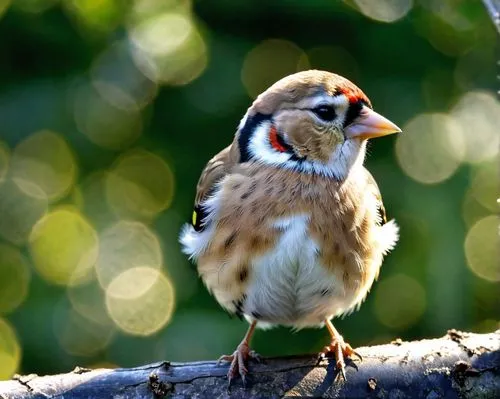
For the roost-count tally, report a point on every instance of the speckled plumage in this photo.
(342, 219)
(292, 229)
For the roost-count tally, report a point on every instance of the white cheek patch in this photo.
(344, 160)
(345, 157)
(261, 148)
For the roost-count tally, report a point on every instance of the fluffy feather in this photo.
(293, 233)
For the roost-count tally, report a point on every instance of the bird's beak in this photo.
(369, 125)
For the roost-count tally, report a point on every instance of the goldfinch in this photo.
(288, 226)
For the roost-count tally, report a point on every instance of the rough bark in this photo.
(457, 365)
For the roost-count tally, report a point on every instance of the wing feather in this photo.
(373, 187)
(215, 170)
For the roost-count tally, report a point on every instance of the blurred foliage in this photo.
(109, 109)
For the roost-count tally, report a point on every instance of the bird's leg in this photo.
(240, 356)
(339, 348)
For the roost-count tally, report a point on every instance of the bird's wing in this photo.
(373, 188)
(218, 167)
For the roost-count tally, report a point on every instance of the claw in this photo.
(240, 357)
(255, 356)
(239, 361)
(321, 356)
(340, 349)
(226, 358)
(341, 367)
(357, 355)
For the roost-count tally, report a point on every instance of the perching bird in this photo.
(288, 226)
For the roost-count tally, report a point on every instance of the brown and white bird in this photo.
(288, 226)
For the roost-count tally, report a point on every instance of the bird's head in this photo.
(312, 121)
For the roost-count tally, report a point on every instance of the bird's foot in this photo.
(341, 351)
(239, 360)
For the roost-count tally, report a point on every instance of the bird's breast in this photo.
(286, 249)
(289, 285)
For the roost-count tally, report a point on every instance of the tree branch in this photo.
(457, 365)
(493, 9)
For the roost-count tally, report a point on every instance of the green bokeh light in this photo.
(111, 108)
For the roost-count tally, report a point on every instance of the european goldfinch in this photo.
(288, 226)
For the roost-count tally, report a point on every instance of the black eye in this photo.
(325, 112)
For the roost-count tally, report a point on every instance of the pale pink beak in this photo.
(369, 125)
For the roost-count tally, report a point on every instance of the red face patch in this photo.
(354, 94)
(273, 138)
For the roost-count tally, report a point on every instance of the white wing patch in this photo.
(193, 242)
(388, 236)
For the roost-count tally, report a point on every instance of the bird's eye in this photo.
(325, 112)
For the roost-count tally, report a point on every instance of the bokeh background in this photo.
(109, 109)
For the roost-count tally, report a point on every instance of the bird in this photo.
(288, 226)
